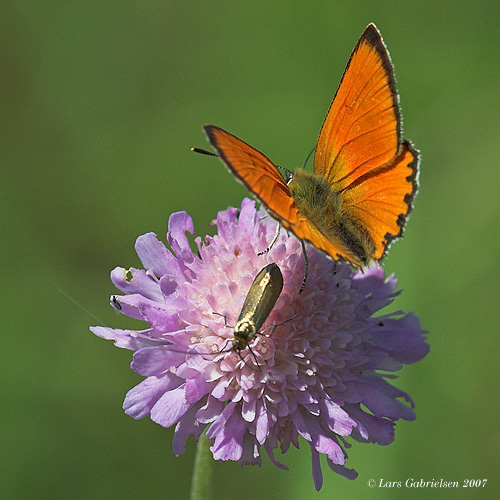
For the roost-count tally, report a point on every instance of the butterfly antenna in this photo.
(276, 235)
(204, 152)
(306, 270)
(308, 156)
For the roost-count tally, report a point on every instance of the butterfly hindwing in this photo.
(384, 205)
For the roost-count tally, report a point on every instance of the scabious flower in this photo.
(322, 375)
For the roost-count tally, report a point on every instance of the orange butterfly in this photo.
(365, 176)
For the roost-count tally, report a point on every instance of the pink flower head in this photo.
(322, 374)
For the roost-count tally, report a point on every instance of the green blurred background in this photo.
(101, 102)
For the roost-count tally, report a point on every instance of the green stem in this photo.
(203, 471)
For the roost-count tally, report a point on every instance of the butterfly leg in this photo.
(276, 235)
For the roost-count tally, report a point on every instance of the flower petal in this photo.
(263, 427)
(140, 400)
(170, 407)
(269, 445)
(187, 426)
(371, 429)
(228, 444)
(126, 339)
(316, 470)
(212, 409)
(336, 418)
(250, 451)
(343, 471)
(131, 281)
(152, 361)
(154, 255)
(161, 317)
(196, 388)
(178, 224)
(381, 405)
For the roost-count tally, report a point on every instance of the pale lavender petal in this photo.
(172, 294)
(262, 424)
(133, 281)
(196, 388)
(210, 411)
(228, 444)
(248, 410)
(323, 443)
(330, 448)
(381, 405)
(336, 418)
(154, 255)
(160, 316)
(375, 429)
(130, 305)
(141, 399)
(407, 346)
(170, 407)
(187, 426)
(300, 425)
(153, 361)
(178, 224)
(125, 339)
(218, 426)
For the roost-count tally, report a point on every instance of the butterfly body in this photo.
(365, 175)
(326, 210)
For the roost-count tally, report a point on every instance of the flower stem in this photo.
(202, 480)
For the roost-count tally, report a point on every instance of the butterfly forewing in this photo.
(362, 127)
(255, 171)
